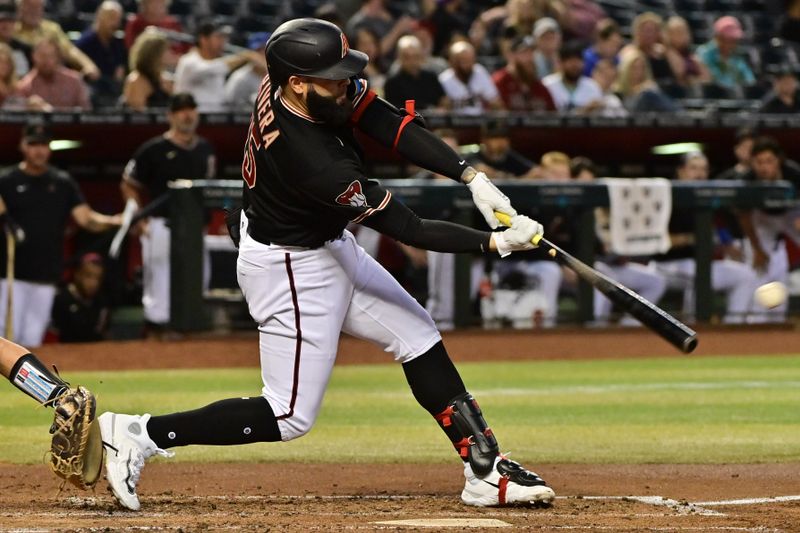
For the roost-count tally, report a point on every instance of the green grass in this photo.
(670, 410)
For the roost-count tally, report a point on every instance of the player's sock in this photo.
(226, 422)
(434, 382)
(34, 379)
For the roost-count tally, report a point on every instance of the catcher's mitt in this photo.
(76, 451)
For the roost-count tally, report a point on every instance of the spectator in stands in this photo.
(581, 18)
(367, 41)
(10, 97)
(605, 74)
(242, 86)
(154, 13)
(40, 199)
(496, 157)
(647, 39)
(21, 51)
(743, 145)
(49, 79)
(687, 67)
(374, 16)
(447, 23)
(784, 97)
(768, 229)
(436, 64)
(147, 86)
(789, 25)
(553, 166)
(80, 309)
(570, 89)
(203, 70)
(468, 84)
(636, 86)
(727, 69)
(410, 80)
(107, 51)
(547, 38)
(32, 27)
(608, 41)
(518, 83)
(738, 280)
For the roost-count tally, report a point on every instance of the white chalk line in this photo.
(752, 501)
(683, 508)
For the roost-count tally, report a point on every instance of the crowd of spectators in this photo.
(576, 56)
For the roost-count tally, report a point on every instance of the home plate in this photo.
(446, 522)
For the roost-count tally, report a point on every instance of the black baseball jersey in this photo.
(41, 205)
(306, 178)
(159, 161)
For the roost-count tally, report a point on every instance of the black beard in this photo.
(326, 110)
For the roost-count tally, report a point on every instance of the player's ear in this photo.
(298, 85)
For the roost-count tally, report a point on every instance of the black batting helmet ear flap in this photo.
(311, 47)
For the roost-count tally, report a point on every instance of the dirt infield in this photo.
(275, 497)
(339, 497)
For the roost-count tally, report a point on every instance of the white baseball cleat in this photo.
(507, 484)
(127, 448)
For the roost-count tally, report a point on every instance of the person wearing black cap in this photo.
(306, 280)
(518, 82)
(570, 89)
(21, 51)
(203, 70)
(785, 95)
(40, 199)
(177, 154)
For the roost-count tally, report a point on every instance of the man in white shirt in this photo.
(570, 89)
(468, 85)
(242, 86)
(202, 71)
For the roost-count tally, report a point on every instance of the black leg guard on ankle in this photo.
(227, 422)
(434, 379)
(34, 379)
(474, 441)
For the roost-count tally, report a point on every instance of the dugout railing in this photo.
(430, 199)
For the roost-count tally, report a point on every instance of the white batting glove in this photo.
(518, 237)
(489, 199)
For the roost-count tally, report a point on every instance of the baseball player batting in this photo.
(306, 280)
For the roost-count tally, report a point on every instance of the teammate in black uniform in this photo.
(306, 280)
(40, 199)
(177, 154)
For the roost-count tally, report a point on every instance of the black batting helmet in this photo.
(311, 47)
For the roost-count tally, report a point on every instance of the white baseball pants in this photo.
(302, 299)
(737, 280)
(33, 303)
(642, 279)
(156, 271)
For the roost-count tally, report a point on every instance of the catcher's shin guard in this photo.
(475, 441)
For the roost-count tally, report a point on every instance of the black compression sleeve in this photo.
(382, 121)
(401, 223)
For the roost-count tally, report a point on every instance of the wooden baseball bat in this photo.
(673, 330)
(11, 247)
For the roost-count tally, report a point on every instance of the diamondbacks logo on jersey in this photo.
(353, 196)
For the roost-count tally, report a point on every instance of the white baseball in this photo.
(771, 294)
